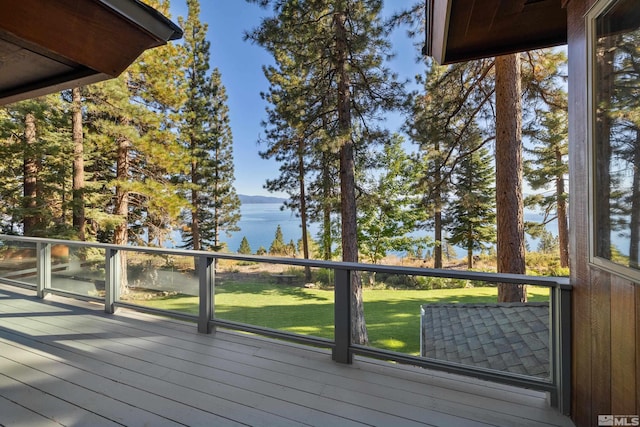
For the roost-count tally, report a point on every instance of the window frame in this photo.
(625, 271)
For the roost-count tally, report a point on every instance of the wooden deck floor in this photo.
(64, 362)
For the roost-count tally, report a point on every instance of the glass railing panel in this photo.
(275, 296)
(160, 281)
(18, 261)
(458, 321)
(78, 269)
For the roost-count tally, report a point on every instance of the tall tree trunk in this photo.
(437, 216)
(195, 216)
(509, 199)
(30, 176)
(437, 230)
(303, 208)
(216, 206)
(121, 233)
(327, 208)
(347, 180)
(78, 164)
(327, 239)
(561, 203)
(195, 207)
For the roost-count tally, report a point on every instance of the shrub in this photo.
(400, 281)
(324, 276)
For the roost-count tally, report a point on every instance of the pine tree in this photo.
(114, 130)
(206, 132)
(454, 99)
(290, 249)
(448, 251)
(64, 194)
(508, 119)
(545, 166)
(278, 246)
(157, 82)
(132, 151)
(511, 77)
(471, 219)
(113, 122)
(223, 201)
(78, 163)
(327, 202)
(37, 133)
(509, 197)
(548, 166)
(286, 141)
(244, 248)
(11, 171)
(342, 44)
(548, 242)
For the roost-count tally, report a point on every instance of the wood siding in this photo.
(606, 338)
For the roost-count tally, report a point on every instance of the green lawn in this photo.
(392, 316)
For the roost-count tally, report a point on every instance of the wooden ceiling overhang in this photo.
(462, 30)
(47, 46)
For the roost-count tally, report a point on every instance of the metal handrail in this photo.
(342, 347)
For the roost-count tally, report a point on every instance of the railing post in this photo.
(43, 268)
(342, 317)
(561, 348)
(206, 279)
(112, 279)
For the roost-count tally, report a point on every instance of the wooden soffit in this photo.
(462, 30)
(51, 45)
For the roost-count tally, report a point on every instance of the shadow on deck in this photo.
(64, 361)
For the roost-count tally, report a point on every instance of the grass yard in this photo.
(392, 316)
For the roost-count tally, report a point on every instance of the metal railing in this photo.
(342, 346)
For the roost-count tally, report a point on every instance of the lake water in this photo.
(259, 222)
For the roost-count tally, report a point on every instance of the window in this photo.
(614, 28)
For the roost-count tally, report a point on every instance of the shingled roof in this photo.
(510, 337)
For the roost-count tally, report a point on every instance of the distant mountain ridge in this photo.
(248, 200)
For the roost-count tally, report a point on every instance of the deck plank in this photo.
(465, 397)
(62, 386)
(160, 370)
(14, 414)
(245, 387)
(57, 410)
(188, 391)
(147, 366)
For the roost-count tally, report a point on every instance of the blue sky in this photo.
(240, 64)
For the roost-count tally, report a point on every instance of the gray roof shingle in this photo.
(510, 337)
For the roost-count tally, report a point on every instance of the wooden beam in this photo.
(84, 32)
(463, 30)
